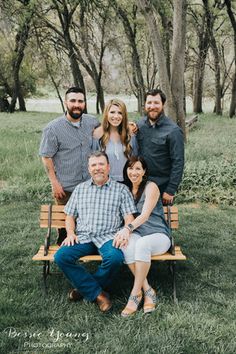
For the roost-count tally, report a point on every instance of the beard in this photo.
(75, 115)
(154, 117)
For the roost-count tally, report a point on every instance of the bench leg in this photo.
(172, 265)
(46, 272)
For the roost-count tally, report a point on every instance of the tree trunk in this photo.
(218, 107)
(167, 28)
(100, 100)
(21, 42)
(232, 109)
(199, 72)
(75, 69)
(147, 10)
(177, 63)
(137, 75)
(4, 104)
(65, 19)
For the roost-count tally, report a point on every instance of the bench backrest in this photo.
(58, 216)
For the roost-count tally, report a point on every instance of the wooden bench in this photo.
(53, 217)
(190, 123)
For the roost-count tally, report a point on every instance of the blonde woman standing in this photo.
(113, 137)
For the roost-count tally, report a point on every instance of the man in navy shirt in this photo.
(161, 144)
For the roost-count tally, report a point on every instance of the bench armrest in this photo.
(48, 235)
(172, 247)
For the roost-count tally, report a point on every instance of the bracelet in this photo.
(129, 227)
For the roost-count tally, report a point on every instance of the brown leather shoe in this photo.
(74, 295)
(103, 301)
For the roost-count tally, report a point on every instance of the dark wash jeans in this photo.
(89, 285)
(62, 232)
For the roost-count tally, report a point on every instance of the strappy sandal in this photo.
(127, 310)
(151, 294)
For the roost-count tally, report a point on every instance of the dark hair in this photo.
(129, 163)
(98, 154)
(75, 89)
(155, 92)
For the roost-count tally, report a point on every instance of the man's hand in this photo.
(133, 128)
(70, 240)
(167, 198)
(121, 239)
(58, 191)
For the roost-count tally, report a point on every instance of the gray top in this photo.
(156, 221)
(69, 144)
(99, 210)
(117, 158)
(162, 147)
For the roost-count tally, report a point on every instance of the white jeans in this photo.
(142, 248)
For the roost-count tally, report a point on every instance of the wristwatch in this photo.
(130, 227)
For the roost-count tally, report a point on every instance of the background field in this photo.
(204, 319)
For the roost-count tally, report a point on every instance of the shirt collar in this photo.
(80, 122)
(107, 184)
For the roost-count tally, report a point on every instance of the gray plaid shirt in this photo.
(69, 144)
(99, 210)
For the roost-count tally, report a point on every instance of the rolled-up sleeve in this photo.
(127, 203)
(71, 206)
(49, 143)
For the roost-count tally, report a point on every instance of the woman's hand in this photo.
(121, 239)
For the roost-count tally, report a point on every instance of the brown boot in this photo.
(74, 295)
(103, 301)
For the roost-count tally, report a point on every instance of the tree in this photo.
(22, 18)
(173, 86)
(232, 109)
(78, 36)
(130, 29)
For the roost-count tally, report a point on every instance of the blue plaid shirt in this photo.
(99, 210)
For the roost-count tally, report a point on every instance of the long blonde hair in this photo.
(122, 128)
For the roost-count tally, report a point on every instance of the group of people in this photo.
(112, 182)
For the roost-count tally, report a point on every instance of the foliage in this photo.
(209, 175)
(210, 168)
(113, 61)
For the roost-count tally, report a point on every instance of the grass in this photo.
(202, 322)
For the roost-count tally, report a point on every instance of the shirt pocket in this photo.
(159, 141)
(158, 145)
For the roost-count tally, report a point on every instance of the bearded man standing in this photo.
(65, 146)
(161, 144)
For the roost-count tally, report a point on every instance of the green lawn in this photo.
(203, 321)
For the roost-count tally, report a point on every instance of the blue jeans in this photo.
(89, 285)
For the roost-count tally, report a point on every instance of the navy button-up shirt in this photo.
(162, 147)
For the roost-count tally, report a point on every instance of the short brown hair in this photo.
(98, 153)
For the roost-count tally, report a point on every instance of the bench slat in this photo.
(55, 224)
(58, 216)
(52, 250)
(61, 223)
(58, 208)
(55, 216)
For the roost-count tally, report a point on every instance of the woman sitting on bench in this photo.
(147, 235)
